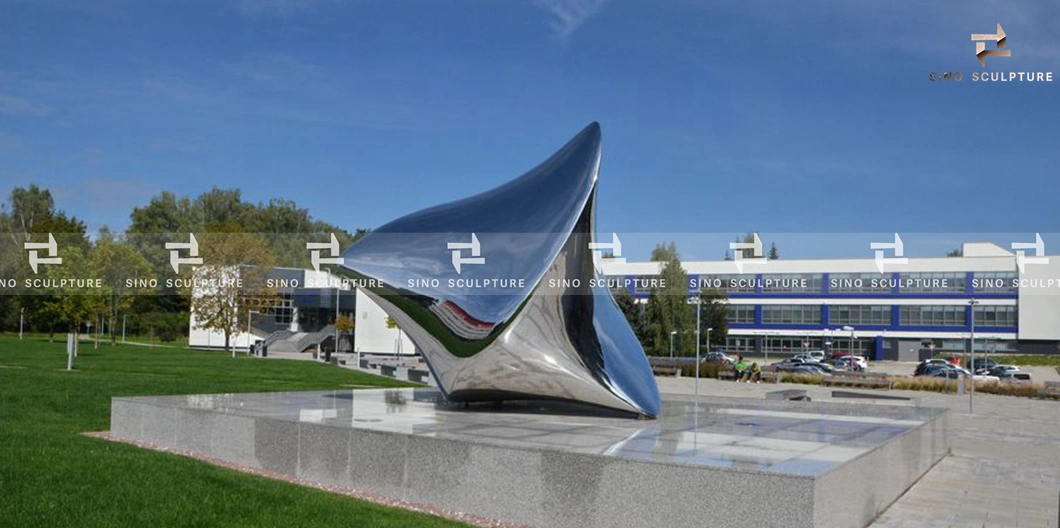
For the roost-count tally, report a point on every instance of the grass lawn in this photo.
(51, 475)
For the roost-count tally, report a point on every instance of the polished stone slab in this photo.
(742, 462)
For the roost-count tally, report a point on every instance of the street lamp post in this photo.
(123, 316)
(21, 318)
(672, 334)
(850, 364)
(250, 336)
(971, 380)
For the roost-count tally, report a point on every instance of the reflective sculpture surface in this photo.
(500, 294)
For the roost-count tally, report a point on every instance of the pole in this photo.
(70, 342)
(699, 321)
(123, 328)
(21, 318)
(249, 313)
(971, 388)
(672, 345)
(336, 318)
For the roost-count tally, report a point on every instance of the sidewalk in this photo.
(1004, 470)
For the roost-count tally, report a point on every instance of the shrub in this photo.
(706, 370)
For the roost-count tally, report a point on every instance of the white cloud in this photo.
(570, 14)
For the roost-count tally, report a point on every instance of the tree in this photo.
(117, 263)
(668, 308)
(959, 252)
(714, 313)
(30, 216)
(774, 254)
(72, 300)
(344, 325)
(231, 282)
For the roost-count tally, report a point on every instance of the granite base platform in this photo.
(720, 462)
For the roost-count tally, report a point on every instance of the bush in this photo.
(805, 379)
(706, 370)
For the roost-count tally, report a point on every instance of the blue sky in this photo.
(718, 117)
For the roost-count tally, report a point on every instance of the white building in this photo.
(782, 306)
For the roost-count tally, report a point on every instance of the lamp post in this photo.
(672, 334)
(21, 318)
(123, 316)
(250, 336)
(971, 380)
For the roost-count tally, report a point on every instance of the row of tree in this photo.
(234, 237)
(668, 318)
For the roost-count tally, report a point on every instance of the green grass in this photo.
(52, 475)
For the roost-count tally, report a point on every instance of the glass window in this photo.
(791, 314)
(741, 314)
(732, 283)
(858, 283)
(791, 283)
(932, 282)
(739, 345)
(995, 282)
(859, 315)
(791, 345)
(995, 316)
(932, 315)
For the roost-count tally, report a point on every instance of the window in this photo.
(791, 283)
(730, 283)
(859, 315)
(739, 345)
(791, 314)
(741, 314)
(282, 308)
(858, 283)
(644, 285)
(995, 316)
(995, 282)
(932, 316)
(932, 282)
(790, 345)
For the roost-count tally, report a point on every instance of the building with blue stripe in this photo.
(839, 305)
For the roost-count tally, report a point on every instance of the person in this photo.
(755, 373)
(740, 367)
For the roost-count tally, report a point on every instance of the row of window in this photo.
(908, 315)
(935, 282)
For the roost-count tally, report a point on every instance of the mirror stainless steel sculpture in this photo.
(517, 310)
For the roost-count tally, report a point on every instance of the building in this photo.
(783, 306)
(302, 317)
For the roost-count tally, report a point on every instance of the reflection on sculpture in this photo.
(531, 318)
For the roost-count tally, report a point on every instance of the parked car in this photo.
(800, 368)
(931, 369)
(816, 355)
(982, 365)
(719, 357)
(958, 372)
(844, 363)
(1009, 372)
